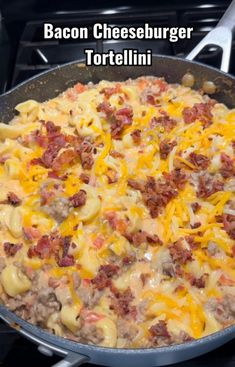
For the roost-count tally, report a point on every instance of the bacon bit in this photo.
(42, 249)
(136, 185)
(116, 154)
(36, 161)
(200, 111)
(227, 166)
(224, 280)
(79, 88)
(199, 160)
(159, 330)
(195, 207)
(164, 121)
(11, 248)
(229, 224)
(85, 178)
(120, 303)
(180, 254)
(31, 233)
(65, 157)
(115, 223)
(199, 282)
(177, 177)
(166, 147)
(128, 260)
(99, 241)
(140, 237)
(192, 243)
(195, 225)
(136, 136)
(3, 159)
(13, 199)
(91, 316)
(106, 108)
(233, 250)
(208, 185)
(121, 119)
(78, 199)
(144, 278)
(112, 176)
(67, 260)
(103, 278)
(52, 174)
(108, 92)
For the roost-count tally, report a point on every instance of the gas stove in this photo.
(24, 53)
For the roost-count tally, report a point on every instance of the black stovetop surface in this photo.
(24, 53)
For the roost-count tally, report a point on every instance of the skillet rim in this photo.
(61, 342)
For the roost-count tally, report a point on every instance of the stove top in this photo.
(27, 54)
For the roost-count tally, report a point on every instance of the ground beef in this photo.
(224, 309)
(195, 207)
(59, 208)
(168, 268)
(126, 329)
(89, 296)
(166, 147)
(199, 282)
(121, 303)
(90, 334)
(159, 334)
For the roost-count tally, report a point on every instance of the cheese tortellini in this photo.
(14, 281)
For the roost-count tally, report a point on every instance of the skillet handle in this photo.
(220, 36)
(72, 360)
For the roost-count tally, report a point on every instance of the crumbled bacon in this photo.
(116, 154)
(196, 225)
(106, 108)
(159, 330)
(31, 233)
(195, 207)
(180, 254)
(199, 160)
(139, 237)
(13, 199)
(11, 248)
(200, 111)
(116, 223)
(66, 157)
(67, 260)
(192, 243)
(103, 278)
(120, 302)
(128, 260)
(229, 224)
(136, 136)
(112, 176)
(166, 147)
(99, 241)
(53, 174)
(136, 184)
(165, 121)
(199, 282)
(78, 199)
(208, 185)
(120, 120)
(227, 166)
(177, 177)
(85, 178)
(108, 92)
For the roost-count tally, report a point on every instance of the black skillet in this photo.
(48, 85)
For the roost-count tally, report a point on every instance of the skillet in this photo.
(47, 85)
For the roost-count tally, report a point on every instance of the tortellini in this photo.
(109, 330)
(69, 315)
(14, 281)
